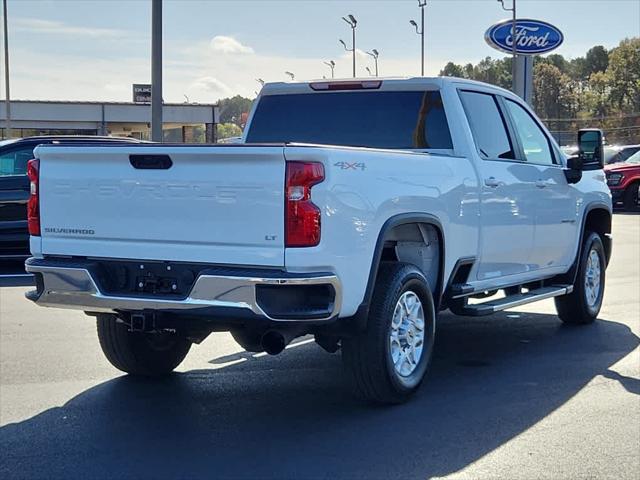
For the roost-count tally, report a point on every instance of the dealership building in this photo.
(182, 122)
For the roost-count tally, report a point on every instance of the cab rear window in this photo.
(395, 120)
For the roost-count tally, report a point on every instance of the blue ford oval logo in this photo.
(533, 37)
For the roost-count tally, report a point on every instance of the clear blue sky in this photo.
(96, 49)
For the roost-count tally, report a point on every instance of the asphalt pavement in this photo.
(516, 395)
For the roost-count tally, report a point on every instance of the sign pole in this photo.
(514, 74)
(524, 77)
(156, 70)
(7, 99)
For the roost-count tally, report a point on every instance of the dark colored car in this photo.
(14, 193)
(624, 182)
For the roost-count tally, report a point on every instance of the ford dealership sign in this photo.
(533, 37)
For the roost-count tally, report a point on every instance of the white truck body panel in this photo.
(221, 205)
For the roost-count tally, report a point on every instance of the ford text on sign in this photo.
(532, 37)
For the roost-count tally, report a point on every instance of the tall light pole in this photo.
(260, 81)
(290, 74)
(375, 54)
(156, 71)
(369, 71)
(332, 65)
(352, 22)
(7, 100)
(420, 31)
(513, 40)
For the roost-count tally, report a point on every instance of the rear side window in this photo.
(15, 162)
(396, 120)
(487, 125)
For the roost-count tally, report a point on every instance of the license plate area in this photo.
(148, 279)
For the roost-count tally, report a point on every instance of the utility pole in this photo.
(514, 46)
(420, 31)
(156, 71)
(352, 22)
(7, 99)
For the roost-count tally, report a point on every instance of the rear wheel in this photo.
(387, 362)
(137, 353)
(583, 304)
(632, 197)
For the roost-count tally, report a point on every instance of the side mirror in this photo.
(590, 149)
(575, 163)
(573, 172)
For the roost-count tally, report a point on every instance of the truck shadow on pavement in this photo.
(292, 416)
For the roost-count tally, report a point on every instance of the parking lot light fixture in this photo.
(374, 53)
(352, 22)
(290, 74)
(332, 65)
(420, 31)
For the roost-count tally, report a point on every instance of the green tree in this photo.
(452, 70)
(596, 60)
(553, 92)
(226, 130)
(231, 109)
(624, 75)
(597, 96)
(496, 72)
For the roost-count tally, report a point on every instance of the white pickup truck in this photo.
(353, 210)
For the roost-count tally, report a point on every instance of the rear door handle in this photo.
(491, 182)
(150, 162)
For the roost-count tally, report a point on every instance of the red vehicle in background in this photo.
(624, 182)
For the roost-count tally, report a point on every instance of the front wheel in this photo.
(583, 304)
(137, 353)
(632, 197)
(387, 362)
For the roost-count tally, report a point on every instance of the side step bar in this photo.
(511, 301)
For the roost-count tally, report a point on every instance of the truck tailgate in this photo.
(213, 204)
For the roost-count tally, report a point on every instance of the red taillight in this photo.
(33, 206)
(302, 216)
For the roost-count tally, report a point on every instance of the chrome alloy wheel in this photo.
(592, 278)
(406, 338)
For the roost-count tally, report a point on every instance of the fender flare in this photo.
(571, 275)
(397, 220)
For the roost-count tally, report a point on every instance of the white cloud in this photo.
(212, 85)
(229, 45)
(59, 28)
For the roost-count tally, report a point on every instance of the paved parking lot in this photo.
(515, 395)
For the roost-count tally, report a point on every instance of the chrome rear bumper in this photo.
(74, 287)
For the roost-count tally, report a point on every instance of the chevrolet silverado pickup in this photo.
(353, 211)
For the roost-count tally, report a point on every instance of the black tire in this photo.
(631, 200)
(575, 308)
(144, 354)
(367, 356)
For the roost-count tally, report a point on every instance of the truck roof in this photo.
(387, 83)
